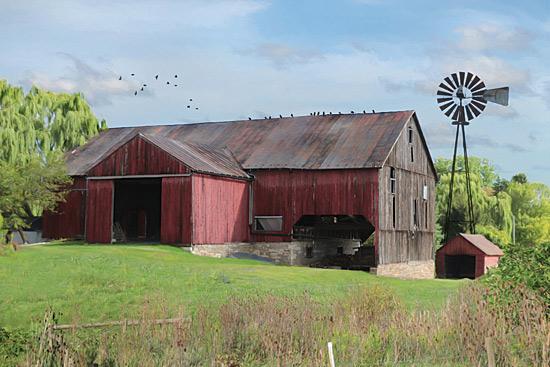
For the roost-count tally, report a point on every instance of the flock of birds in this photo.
(189, 106)
(144, 85)
(316, 114)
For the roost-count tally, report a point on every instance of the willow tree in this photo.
(36, 128)
(41, 122)
(492, 209)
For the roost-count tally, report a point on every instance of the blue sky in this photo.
(239, 58)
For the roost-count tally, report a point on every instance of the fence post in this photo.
(490, 352)
(331, 355)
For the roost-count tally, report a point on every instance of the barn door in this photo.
(175, 208)
(99, 211)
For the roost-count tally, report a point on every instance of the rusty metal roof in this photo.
(483, 244)
(200, 158)
(305, 142)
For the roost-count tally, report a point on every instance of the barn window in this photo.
(425, 192)
(410, 135)
(309, 252)
(393, 210)
(271, 223)
(426, 214)
(412, 153)
(415, 213)
(392, 180)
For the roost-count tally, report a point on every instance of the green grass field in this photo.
(99, 282)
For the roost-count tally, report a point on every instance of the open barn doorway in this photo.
(460, 266)
(136, 214)
(337, 241)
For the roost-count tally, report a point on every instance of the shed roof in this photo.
(483, 244)
(305, 142)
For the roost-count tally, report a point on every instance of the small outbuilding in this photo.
(467, 256)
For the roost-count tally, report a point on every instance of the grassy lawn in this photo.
(99, 282)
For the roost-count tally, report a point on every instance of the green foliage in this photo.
(524, 265)
(35, 130)
(40, 122)
(13, 344)
(492, 209)
(30, 187)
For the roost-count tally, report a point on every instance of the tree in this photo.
(35, 130)
(29, 188)
(492, 208)
(41, 122)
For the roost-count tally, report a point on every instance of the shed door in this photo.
(175, 217)
(99, 211)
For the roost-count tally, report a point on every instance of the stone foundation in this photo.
(296, 253)
(408, 270)
(288, 253)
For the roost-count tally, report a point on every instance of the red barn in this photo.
(352, 188)
(467, 256)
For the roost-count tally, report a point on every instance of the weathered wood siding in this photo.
(99, 211)
(68, 219)
(175, 218)
(294, 193)
(405, 241)
(220, 210)
(138, 157)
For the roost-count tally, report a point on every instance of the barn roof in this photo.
(483, 244)
(305, 142)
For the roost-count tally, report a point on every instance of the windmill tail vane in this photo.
(462, 97)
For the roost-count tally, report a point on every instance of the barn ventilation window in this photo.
(392, 180)
(410, 139)
(415, 213)
(271, 223)
(393, 210)
(410, 135)
(412, 153)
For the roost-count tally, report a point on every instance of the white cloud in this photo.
(98, 86)
(493, 36)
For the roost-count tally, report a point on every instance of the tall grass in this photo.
(368, 328)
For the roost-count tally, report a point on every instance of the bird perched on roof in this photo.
(364, 111)
(291, 115)
(352, 112)
(280, 116)
(373, 111)
(250, 118)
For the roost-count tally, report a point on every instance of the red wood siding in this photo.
(331, 192)
(220, 210)
(460, 246)
(138, 157)
(175, 218)
(67, 221)
(99, 213)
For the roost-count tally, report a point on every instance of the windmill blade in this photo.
(474, 109)
(461, 75)
(469, 77)
(455, 78)
(446, 99)
(479, 105)
(450, 82)
(469, 113)
(443, 107)
(477, 87)
(443, 93)
(497, 95)
(450, 110)
(479, 99)
(473, 82)
(444, 86)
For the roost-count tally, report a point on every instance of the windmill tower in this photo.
(462, 97)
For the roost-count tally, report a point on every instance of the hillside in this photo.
(98, 282)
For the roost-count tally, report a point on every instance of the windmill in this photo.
(462, 97)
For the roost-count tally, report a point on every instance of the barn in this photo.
(466, 256)
(352, 190)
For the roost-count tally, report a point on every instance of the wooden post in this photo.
(490, 352)
(330, 355)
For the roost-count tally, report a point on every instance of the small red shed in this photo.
(466, 256)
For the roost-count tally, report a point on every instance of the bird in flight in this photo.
(142, 89)
(132, 74)
(120, 78)
(191, 99)
(156, 76)
(135, 93)
(175, 76)
(144, 85)
(167, 82)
